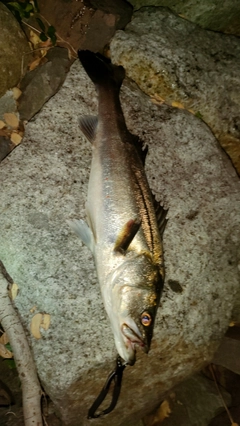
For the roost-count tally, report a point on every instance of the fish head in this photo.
(135, 296)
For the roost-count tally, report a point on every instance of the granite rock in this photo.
(182, 64)
(215, 15)
(43, 82)
(44, 182)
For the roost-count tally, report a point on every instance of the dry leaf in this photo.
(16, 138)
(39, 321)
(13, 292)
(4, 352)
(35, 64)
(177, 105)
(16, 93)
(163, 411)
(46, 321)
(4, 339)
(34, 38)
(11, 119)
(2, 124)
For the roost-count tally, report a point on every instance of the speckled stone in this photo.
(44, 183)
(175, 60)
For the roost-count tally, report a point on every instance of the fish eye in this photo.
(146, 319)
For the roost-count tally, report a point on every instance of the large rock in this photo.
(44, 182)
(14, 50)
(216, 15)
(176, 60)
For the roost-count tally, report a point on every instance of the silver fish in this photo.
(124, 232)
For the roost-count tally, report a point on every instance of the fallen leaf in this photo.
(35, 64)
(177, 105)
(46, 321)
(4, 339)
(39, 321)
(2, 124)
(11, 119)
(163, 411)
(16, 138)
(34, 38)
(4, 352)
(13, 292)
(16, 93)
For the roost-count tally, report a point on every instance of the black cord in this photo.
(116, 377)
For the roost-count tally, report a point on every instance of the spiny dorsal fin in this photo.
(126, 235)
(141, 148)
(161, 214)
(88, 125)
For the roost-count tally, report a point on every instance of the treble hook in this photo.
(115, 376)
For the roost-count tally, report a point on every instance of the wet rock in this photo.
(228, 354)
(14, 50)
(210, 14)
(44, 182)
(194, 402)
(175, 60)
(40, 84)
(86, 25)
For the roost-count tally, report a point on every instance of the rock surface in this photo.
(193, 402)
(14, 50)
(40, 84)
(44, 182)
(216, 15)
(177, 61)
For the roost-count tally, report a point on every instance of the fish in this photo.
(125, 223)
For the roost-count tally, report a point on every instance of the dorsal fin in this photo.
(141, 148)
(161, 214)
(88, 125)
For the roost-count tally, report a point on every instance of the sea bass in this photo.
(124, 230)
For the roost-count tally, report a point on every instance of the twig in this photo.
(31, 390)
(218, 389)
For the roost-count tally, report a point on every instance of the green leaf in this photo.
(11, 363)
(15, 5)
(36, 5)
(199, 115)
(41, 25)
(43, 37)
(51, 34)
(29, 8)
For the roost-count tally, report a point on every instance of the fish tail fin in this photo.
(100, 69)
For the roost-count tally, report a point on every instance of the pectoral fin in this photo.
(83, 231)
(126, 235)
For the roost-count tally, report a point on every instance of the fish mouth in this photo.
(133, 341)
